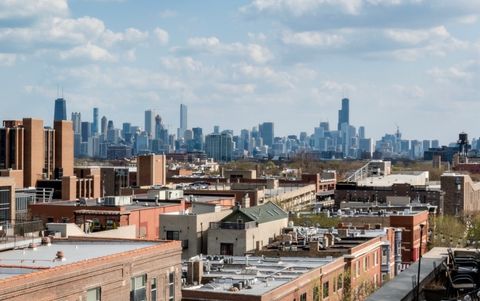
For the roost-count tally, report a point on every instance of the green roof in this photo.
(261, 214)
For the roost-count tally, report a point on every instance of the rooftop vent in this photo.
(60, 256)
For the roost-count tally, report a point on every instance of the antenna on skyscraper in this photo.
(62, 91)
(58, 87)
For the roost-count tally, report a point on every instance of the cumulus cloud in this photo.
(88, 52)
(162, 35)
(314, 39)
(212, 45)
(20, 11)
(7, 59)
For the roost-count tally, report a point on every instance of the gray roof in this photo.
(264, 213)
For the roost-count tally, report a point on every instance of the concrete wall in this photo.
(245, 240)
(193, 228)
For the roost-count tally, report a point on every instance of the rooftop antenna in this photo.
(58, 87)
(62, 91)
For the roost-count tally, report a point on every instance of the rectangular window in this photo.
(316, 293)
(94, 294)
(303, 297)
(173, 235)
(153, 289)
(375, 258)
(357, 268)
(325, 290)
(365, 263)
(340, 282)
(171, 286)
(138, 291)
(384, 256)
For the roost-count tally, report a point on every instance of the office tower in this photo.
(104, 126)
(12, 145)
(435, 144)
(34, 147)
(219, 147)
(60, 109)
(63, 148)
(325, 126)
(426, 145)
(95, 122)
(126, 129)
(150, 123)
(183, 121)
(361, 132)
(188, 135)
(77, 121)
(198, 138)
(344, 113)
(266, 130)
(158, 126)
(216, 129)
(365, 145)
(86, 131)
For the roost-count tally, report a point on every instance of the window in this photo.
(226, 249)
(94, 294)
(303, 297)
(375, 258)
(138, 289)
(340, 282)
(325, 290)
(153, 290)
(171, 286)
(316, 293)
(357, 268)
(173, 235)
(365, 262)
(384, 255)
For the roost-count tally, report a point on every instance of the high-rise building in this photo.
(63, 148)
(266, 130)
(216, 129)
(86, 131)
(34, 147)
(361, 132)
(60, 109)
(150, 123)
(151, 170)
(95, 122)
(219, 146)
(49, 157)
(104, 122)
(12, 145)
(77, 122)
(198, 138)
(183, 121)
(344, 113)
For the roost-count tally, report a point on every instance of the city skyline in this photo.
(251, 61)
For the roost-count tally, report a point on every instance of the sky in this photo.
(411, 63)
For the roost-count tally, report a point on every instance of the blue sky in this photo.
(414, 63)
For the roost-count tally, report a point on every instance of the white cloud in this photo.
(460, 72)
(255, 52)
(162, 35)
(7, 59)
(314, 39)
(16, 10)
(168, 13)
(415, 37)
(89, 52)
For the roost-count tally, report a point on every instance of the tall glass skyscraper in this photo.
(95, 122)
(344, 113)
(150, 123)
(60, 110)
(183, 121)
(266, 130)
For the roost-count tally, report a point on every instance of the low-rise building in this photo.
(246, 229)
(92, 269)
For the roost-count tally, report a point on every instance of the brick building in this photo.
(92, 269)
(462, 195)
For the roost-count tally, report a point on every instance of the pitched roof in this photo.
(264, 213)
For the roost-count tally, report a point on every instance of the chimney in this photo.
(314, 246)
(59, 256)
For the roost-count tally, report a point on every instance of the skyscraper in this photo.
(266, 130)
(150, 123)
(104, 126)
(77, 122)
(183, 121)
(344, 113)
(361, 132)
(219, 146)
(95, 122)
(60, 109)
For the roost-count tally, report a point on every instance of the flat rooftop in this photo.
(134, 205)
(414, 179)
(29, 260)
(262, 274)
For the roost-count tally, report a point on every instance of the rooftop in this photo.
(29, 260)
(414, 178)
(258, 275)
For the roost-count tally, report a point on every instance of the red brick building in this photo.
(92, 269)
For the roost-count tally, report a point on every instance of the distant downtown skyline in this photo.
(237, 63)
